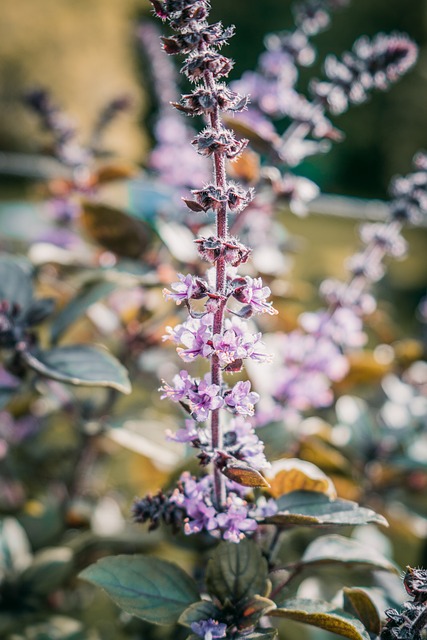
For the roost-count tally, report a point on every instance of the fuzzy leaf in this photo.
(335, 549)
(149, 588)
(80, 365)
(358, 603)
(324, 615)
(312, 508)
(237, 571)
(197, 611)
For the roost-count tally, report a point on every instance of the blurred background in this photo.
(87, 52)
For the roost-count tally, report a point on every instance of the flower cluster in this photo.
(232, 346)
(372, 64)
(200, 396)
(250, 292)
(315, 358)
(217, 413)
(193, 503)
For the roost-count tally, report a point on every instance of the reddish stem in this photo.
(220, 177)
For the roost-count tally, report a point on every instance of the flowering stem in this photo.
(221, 230)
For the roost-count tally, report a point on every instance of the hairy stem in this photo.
(220, 177)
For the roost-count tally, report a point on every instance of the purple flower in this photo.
(209, 629)
(241, 399)
(194, 334)
(254, 294)
(188, 287)
(241, 441)
(339, 294)
(264, 508)
(310, 363)
(344, 327)
(189, 434)
(234, 520)
(182, 385)
(204, 399)
(228, 348)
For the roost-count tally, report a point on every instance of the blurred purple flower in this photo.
(209, 629)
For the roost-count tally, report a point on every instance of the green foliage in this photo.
(80, 365)
(323, 615)
(317, 509)
(358, 603)
(149, 588)
(237, 571)
(335, 549)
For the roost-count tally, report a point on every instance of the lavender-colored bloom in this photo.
(228, 348)
(205, 399)
(209, 629)
(235, 520)
(188, 287)
(182, 385)
(194, 334)
(311, 362)
(189, 434)
(264, 508)
(241, 399)
(253, 293)
(339, 294)
(344, 327)
(241, 440)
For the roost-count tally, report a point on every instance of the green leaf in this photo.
(49, 569)
(335, 549)
(15, 283)
(149, 588)
(358, 603)
(324, 615)
(202, 610)
(312, 508)
(237, 571)
(90, 293)
(80, 365)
